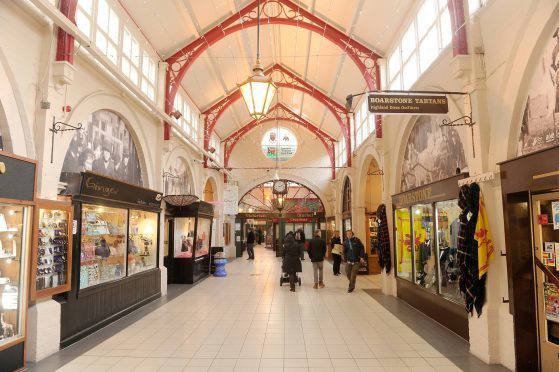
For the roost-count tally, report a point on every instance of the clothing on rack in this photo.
(383, 241)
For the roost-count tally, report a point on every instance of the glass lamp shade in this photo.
(258, 92)
(278, 202)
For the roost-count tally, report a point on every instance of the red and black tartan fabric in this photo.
(383, 240)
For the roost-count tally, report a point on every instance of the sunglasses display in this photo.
(52, 252)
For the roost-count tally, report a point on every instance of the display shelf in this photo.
(52, 249)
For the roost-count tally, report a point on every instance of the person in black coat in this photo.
(300, 238)
(292, 259)
(317, 251)
(250, 244)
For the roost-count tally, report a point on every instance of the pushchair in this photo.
(284, 278)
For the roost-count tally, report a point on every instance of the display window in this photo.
(14, 220)
(424, 255)
(403, 244)
(447, 213)
(142, 241)
(184, 237)
(203, 236)
(103, 245)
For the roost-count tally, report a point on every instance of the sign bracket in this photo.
(59, 126)
(465, 120)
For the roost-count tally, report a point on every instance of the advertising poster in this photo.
(549, 247)
(556, 255)
(555, 213)
(548, 258)
(551, 299)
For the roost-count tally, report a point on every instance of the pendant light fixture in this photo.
(258, 91)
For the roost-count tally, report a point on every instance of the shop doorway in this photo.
(545, 222)
(372, 197)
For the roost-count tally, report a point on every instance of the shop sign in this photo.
(17, 181)
(299, 220)
(380, 103)
(442, 190)
(107, 188)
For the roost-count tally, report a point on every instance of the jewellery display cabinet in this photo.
(17, 199)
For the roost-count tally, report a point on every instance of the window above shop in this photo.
(279, 144)
(427, 34)
(188, 120)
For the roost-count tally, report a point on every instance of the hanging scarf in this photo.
(383, 240)
(485, 248)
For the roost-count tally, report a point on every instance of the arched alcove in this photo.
(177, 178)
(346, 205)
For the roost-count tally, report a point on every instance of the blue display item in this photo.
(220, 267)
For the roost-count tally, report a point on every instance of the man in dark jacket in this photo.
(250, 244)
(354, 253)
(291, 259)
(317, 250)
(300, 238)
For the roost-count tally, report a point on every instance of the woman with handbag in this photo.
(337, 249)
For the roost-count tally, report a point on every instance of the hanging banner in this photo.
(230, 199)
(380, 103)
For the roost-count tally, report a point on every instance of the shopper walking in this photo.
(291, 259)
(250, 244)
(354, 253)
(317, 251)
(300, 238)
(337, 249)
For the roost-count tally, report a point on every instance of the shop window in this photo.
(403, 244)
(447, 213)
(142, 241)
(424, 247)
(103, 245)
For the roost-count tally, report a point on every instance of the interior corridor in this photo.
(247, 322)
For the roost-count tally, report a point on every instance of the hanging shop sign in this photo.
(230, 199)
(313, 216)
(407, 104)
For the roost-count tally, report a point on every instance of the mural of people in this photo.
(103, 146)
(540, 121)
(432, 153)
(177, 178)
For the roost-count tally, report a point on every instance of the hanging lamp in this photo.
(258, 91)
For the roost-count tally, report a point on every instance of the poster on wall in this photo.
(103, 146)
(183, 237)
(203, 237)
(551, 299)
(230, 199)
(177, 178)
(540, 121)
(279, 144)
(432, 153)
(555, 213)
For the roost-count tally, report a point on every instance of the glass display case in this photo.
(142, 241)
(103, 244)
(183, 237)
(52, 249)
(14, 231)
(424, 257)
(402, 236)
(447, 213)
(202, 238)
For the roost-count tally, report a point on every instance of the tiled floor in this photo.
(247, 322)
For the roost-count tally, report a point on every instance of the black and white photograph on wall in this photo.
(432, 153)
(540, 121)
(103, 146)
(177, 178)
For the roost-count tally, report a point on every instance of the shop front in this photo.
(531, 214)
(17, 201)
(115, 253)
(426, 261)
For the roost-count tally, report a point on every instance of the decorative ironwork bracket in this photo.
(59, 126)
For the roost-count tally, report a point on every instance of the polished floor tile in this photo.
(247, 322)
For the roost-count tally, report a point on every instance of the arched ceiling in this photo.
(170, 25)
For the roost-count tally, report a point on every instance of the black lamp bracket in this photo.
(59, 126)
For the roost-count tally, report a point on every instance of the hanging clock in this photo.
(279, 187)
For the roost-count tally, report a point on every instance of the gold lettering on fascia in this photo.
(409, 100)
(415, 196)
(104, 190)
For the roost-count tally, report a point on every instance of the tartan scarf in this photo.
(471, 285)
(383, 239)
